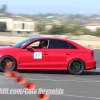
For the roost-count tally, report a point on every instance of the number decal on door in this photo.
(37, 55)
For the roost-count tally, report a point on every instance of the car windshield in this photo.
(23, 42)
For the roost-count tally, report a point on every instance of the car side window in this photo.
(58, 44)
(35, 44)
(39, 44)
(71, 46)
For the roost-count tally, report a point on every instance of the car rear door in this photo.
(58, 54)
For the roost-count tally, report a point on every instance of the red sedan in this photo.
(48, 53)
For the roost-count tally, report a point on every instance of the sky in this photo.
(53, 6)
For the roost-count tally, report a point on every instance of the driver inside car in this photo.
(43, 44)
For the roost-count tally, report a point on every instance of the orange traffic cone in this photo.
(9, 65)
(7, 73)
(14, 75)
(30, 86)
(43, 96)
(21, 80)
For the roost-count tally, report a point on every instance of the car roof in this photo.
(46, 37)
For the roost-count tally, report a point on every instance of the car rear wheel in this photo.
(76, 67)
(5, 60)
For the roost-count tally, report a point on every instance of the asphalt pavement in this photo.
(76, 87)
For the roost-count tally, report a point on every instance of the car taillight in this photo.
(92, 53)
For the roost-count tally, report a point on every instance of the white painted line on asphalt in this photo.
(95, 81)
(54, 80)
(85, 97)
(4, 77)
(5, 82)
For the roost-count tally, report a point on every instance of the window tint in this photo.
(58, 44)
(71, 46)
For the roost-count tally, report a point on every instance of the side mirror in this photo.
(29, 48)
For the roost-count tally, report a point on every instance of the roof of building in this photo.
(92, 24)
(17, 18)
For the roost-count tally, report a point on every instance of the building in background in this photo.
(19, 24)
(48, 26)
(92, 26)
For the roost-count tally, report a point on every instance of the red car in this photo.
(48, 53)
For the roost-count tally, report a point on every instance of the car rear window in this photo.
(71, 46)
(58, 44)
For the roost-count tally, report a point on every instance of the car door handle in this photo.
(67, 53)
(45, 54)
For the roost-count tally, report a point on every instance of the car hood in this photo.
(5, 47)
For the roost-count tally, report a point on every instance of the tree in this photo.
(72, 28)
(78, 32)
(86, 31)
(40, 27)
(56, 29)
(97, 32)
(2, 26)
(3, 8)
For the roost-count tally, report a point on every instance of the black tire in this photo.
(6, 59)
(76, 67)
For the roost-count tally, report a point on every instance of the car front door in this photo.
(58, 54)
(34, 59)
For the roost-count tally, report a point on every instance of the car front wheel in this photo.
(3, 62)
(76, 67)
